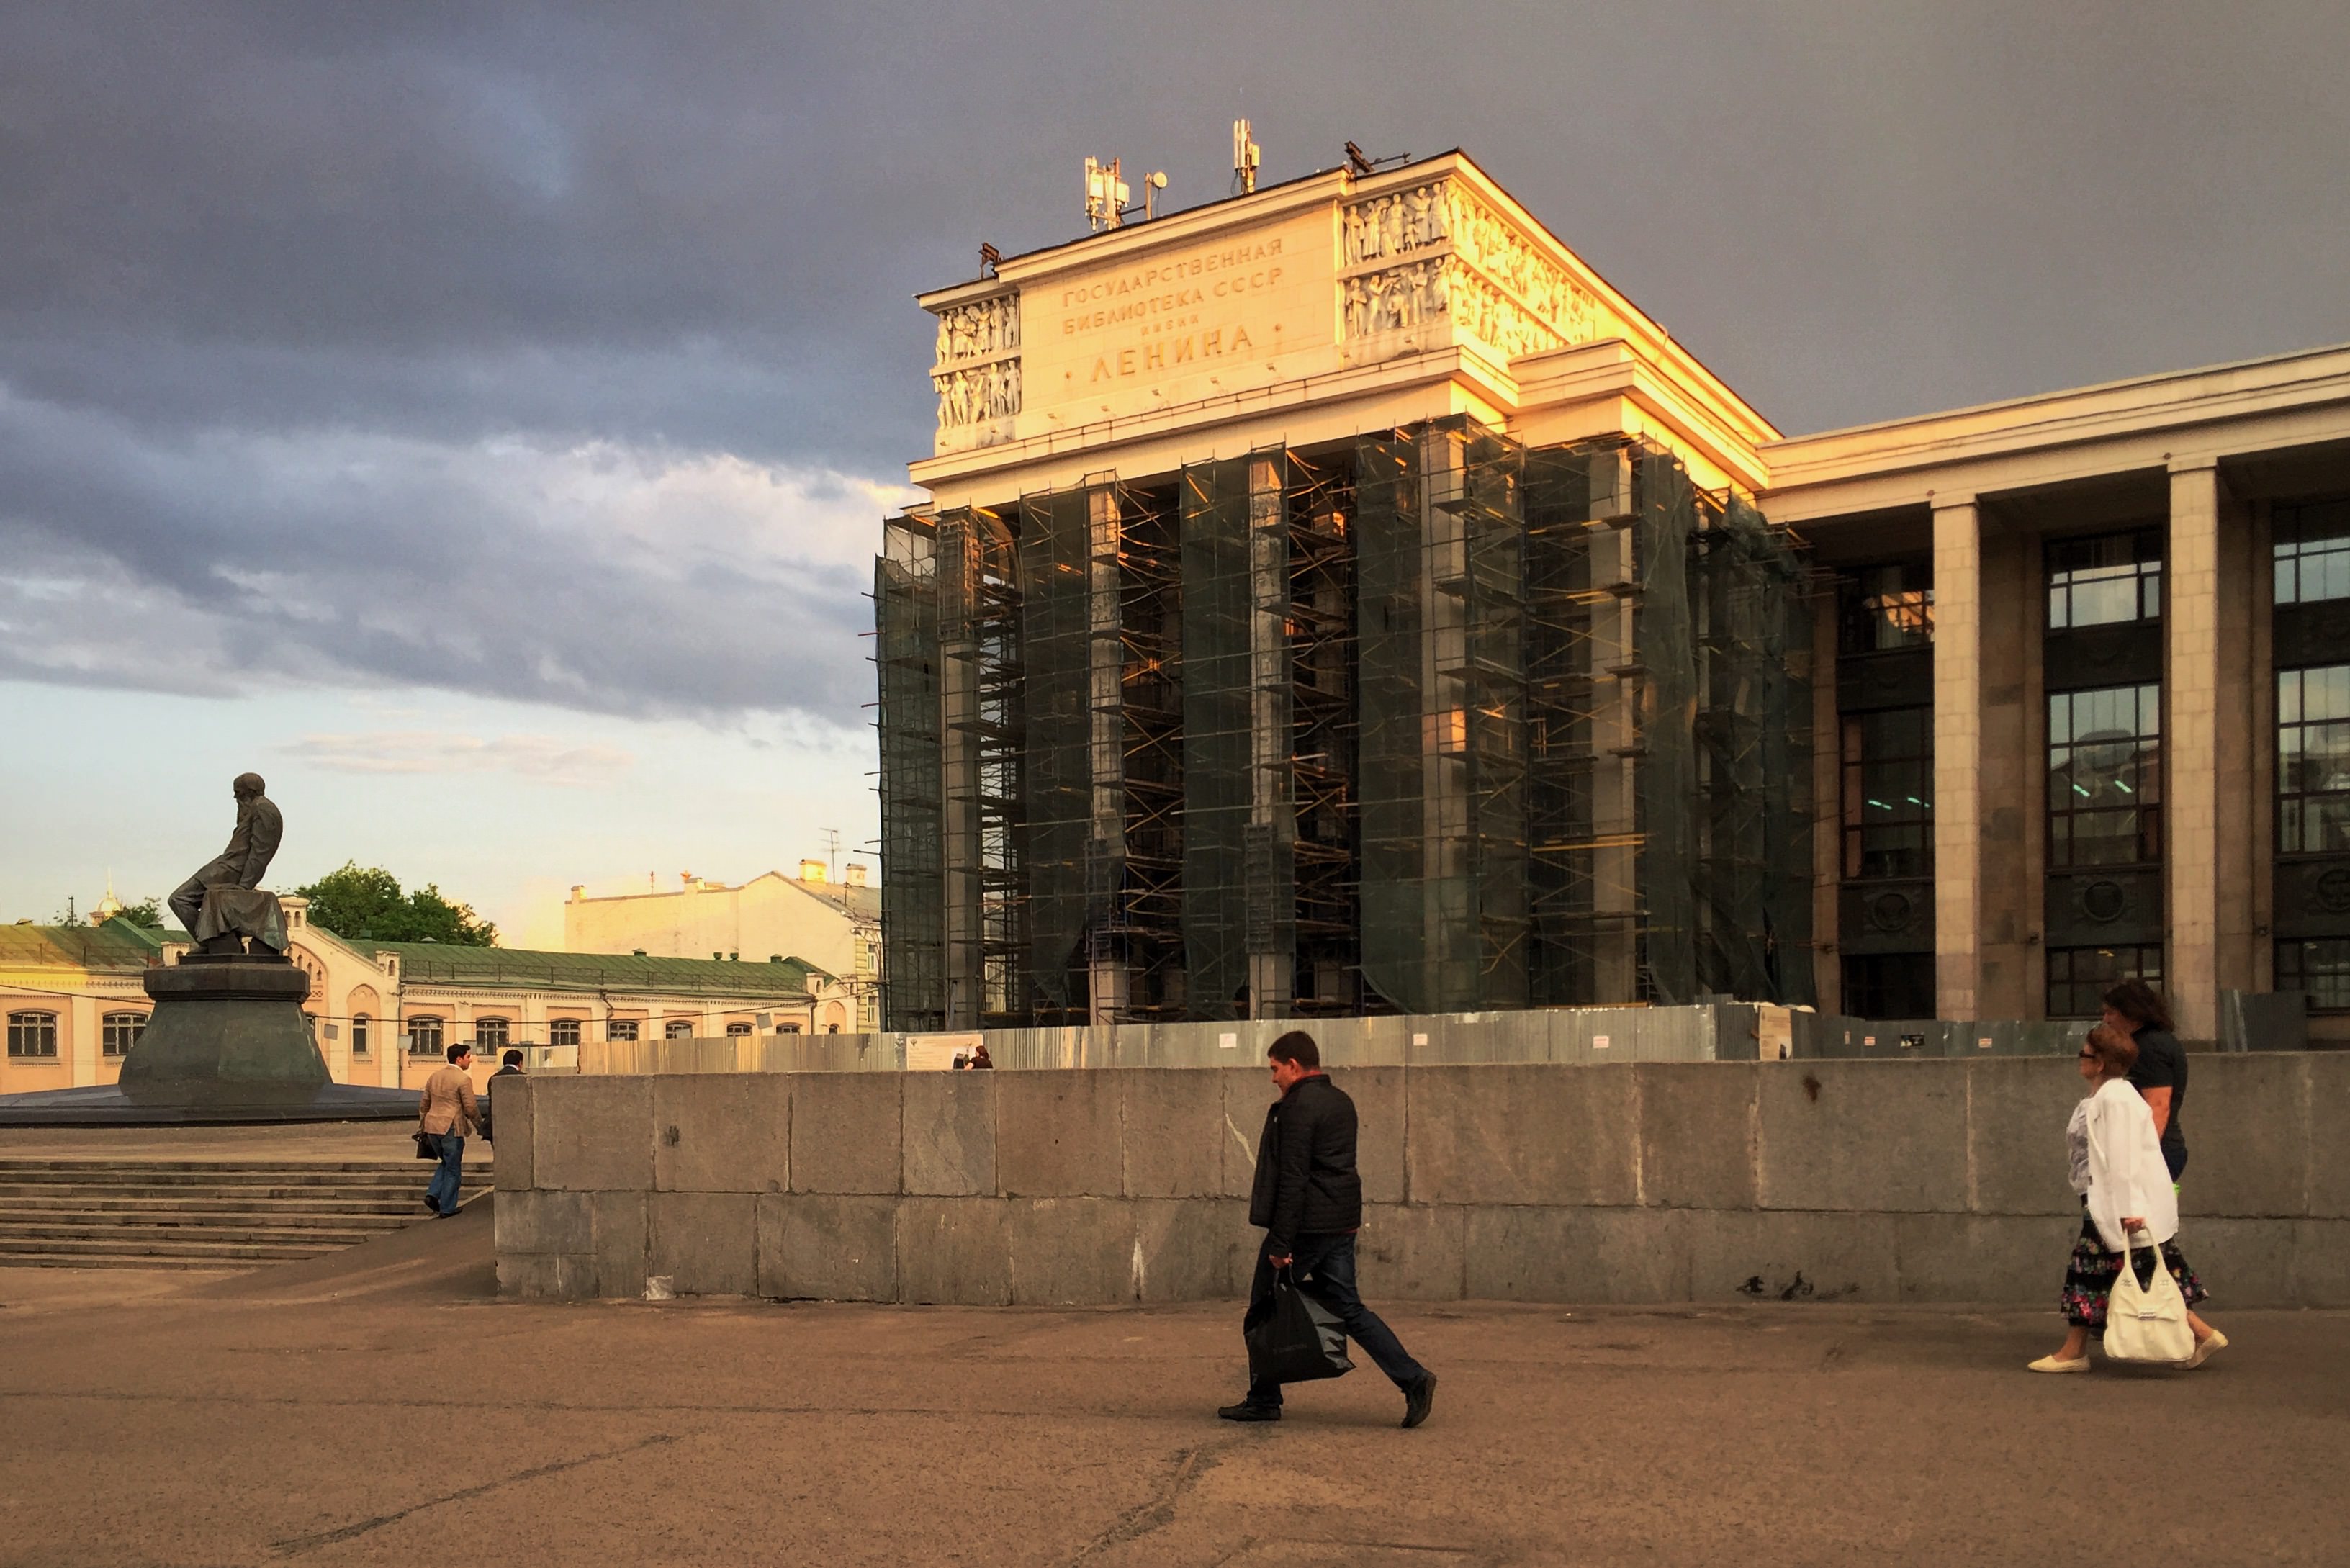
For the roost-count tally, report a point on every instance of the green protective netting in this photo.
(907, 667)
(1216, 734)
(1389, 718)
(1057, 738)
(1665, 648)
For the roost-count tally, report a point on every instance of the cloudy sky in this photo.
(477, 418)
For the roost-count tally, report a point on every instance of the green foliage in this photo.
(147, 912)
(362, 903)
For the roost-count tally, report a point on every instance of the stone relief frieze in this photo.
(990, 391)
(986, 327)
(1391, 225)
(1494, 285)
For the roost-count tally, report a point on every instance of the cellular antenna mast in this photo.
(1244, 160)
(1105, 195)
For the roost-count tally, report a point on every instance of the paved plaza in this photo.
(382, 1407)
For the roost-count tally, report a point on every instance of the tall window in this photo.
(2321, 967)
(563, 1032)
(1889, 608)
(2313, 760)
(358, 1035)
(1888, 985)
(620, 1029)
(489, 1034)
(2105, 580)
(1889, 793)
(32, 1035)
(2105, 776)
(2312, 546)
(678, 1029)
(120, 1032)
(424, 1037)
(2078, 977)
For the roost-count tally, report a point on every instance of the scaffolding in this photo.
(1425, 722)
(905, 626)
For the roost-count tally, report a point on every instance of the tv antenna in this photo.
(1244, 160)
(1361, 161)
(988, 256)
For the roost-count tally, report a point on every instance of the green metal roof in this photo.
(117, 944)
(448, 964)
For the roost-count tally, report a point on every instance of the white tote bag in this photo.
(2147, 1322)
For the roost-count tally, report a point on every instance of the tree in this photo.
(364, 903)
(147, 912)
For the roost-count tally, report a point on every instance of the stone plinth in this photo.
(225, 1031)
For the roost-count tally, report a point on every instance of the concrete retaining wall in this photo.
(1869, 1182)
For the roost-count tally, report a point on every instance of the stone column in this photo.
(2206, 748)
(1957, 754)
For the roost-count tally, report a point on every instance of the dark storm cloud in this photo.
(354, 341)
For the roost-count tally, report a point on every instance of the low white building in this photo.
(836, 926)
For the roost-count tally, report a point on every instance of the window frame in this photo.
(2143, 564)
(1886, 608)
(623, 1031)
(2144, 788)
(111, 1026)
(677, 1029)
(2325, 523)
(556, 1028)
(359, 1033)
(1853, 799)
(2300, 972)
(2097, 984)
(2292, 813)
(33, 1035)
(492, 1034)
(438, 1030)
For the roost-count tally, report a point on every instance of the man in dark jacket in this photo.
(1309, 1202)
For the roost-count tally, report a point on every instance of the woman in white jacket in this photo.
(2125, 1189)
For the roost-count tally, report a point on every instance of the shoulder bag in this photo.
(2147, 1322)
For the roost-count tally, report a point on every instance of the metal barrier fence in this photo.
(1696, 1033)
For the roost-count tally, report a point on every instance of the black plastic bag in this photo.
(1294, 1338)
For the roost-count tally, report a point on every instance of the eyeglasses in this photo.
(2088, 1055)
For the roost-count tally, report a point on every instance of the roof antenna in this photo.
(1359, 160)
(1244, 160)
(988, 256)
(1105, 194)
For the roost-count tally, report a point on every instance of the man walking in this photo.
(449, 1111)
(510, 1066)
(1309, 1202)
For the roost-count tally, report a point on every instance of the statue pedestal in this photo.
(227, 1033)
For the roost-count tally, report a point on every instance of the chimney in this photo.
(812, 871)
(578, 891)
(853, 874)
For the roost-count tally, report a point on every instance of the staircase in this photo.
(203, 1213)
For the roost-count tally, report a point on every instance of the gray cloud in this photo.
(352, 344)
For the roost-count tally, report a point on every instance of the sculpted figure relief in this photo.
(988, 326)
(990, 391)
(1391, 225)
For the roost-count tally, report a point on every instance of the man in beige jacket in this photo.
(449, 1111)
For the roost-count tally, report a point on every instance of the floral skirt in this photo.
(2089, 1276)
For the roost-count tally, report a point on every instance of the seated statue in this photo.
(223, 903)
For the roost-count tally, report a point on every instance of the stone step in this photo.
(224, 1176)
(133, 1202)
(12, 1219)
(104, 1261)
(244, 1250)
(20, 1164)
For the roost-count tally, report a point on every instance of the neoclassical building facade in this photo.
(383, 1012)
(1342, 598)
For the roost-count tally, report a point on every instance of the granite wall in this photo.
(1868, 1181)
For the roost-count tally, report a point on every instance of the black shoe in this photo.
(430, 1207)
(1416, 1401)
(1247, 1411)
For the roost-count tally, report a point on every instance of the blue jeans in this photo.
(449, 1176)
(1325, 1265)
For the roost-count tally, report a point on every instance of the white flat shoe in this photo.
(2051, 1363)
(2210, 1346)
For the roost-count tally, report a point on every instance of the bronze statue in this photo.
(240, 865)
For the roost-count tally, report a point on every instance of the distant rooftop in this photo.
(117, 944)
(447, 963)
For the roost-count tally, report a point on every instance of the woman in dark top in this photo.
(2133, 1008)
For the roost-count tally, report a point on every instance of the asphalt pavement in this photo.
(382, 1407)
